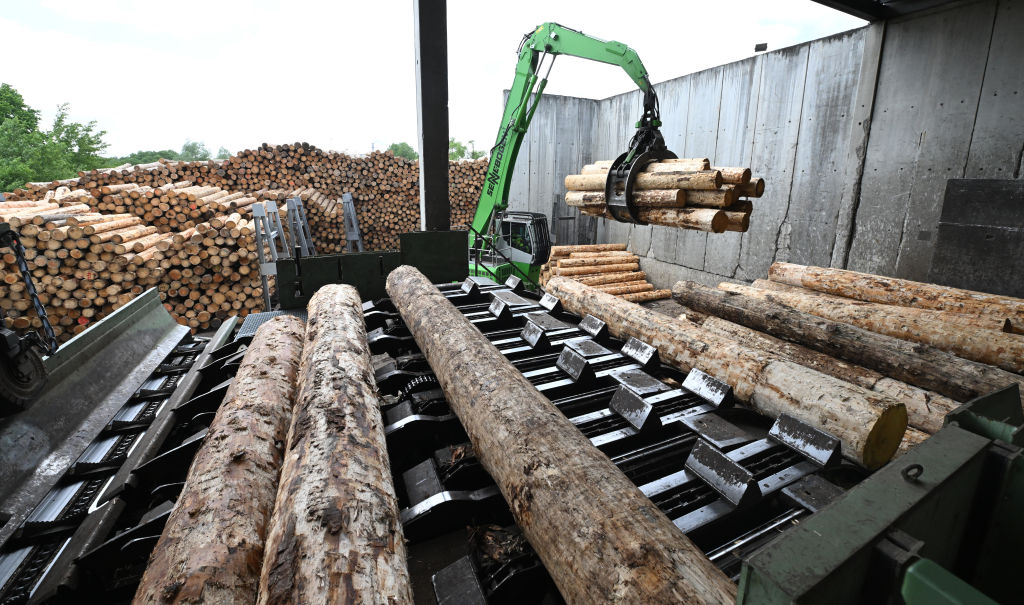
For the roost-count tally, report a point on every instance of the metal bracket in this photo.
(642, 353)
(817, 445)
(708, 387)
(726, 476)
(597, 329)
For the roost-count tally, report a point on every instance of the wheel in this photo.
(22, 377)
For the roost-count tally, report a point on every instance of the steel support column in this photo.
(432, 113)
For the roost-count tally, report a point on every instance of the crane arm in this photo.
(528, 86)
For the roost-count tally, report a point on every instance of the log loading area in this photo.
(699, 377)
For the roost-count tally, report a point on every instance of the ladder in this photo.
(352, 238)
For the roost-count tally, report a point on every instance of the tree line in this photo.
(456, 151)
(30, 153)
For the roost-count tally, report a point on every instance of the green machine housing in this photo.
(440, 255)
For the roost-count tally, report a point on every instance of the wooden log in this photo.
(903, 292)
(721, 198)
(655, 198)
(617, 268)
(611, 278)
(639, 297)
(627, 288)
(700, 219)
(920, 365)
(925, 409)
(734, 175)
(600, 254)
(986, 346)
(598, 261)
(211, 549)
(870, 425)
(965, 320)
(573, 514)
(564, 251)
(738, 221)
(755, 188)
(711, 179)
(335, 536)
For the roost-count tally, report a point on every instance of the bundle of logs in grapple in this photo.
(85, 263)
(385, 188)
(687, 193)
(607, 267)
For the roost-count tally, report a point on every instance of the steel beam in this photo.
(432, 113)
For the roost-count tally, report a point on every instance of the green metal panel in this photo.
(440, 255)
(826, 558)
(928, 583)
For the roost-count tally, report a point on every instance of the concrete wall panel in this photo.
(927, 96)
(997, 144)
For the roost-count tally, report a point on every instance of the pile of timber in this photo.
(607, 267)
(930, 347)
(385, 188)
(687, 193)
(85, 264)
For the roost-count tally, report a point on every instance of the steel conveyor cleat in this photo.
(642, 353)
(817, 445)
(726, 476)
(535, 336)
(551, 303)
(709, 387)
(632, 407)
(597, 329)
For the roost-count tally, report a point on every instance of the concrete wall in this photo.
(855, 135)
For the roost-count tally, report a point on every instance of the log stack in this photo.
(606, 267)
(687, 193)
(85, 264)
(385, 188)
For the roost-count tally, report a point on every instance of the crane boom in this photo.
(547, 39)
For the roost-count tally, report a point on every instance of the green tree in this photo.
(473, 153)
(193, 151)
(13, 106)
(403, 150)
(456, 150)
(28, 154)
(223, 153)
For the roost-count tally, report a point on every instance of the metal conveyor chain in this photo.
(726, 476)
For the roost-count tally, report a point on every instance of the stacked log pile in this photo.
(607, 267)
(687, 193)
(85, 264)
(385, 188)
(930, 347)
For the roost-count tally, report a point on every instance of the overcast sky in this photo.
(340, 74)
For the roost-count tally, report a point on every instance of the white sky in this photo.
(340, 74)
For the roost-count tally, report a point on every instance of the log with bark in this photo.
(869, 425)
(909, 314)
(211, 549)
(903, 292)
(599, 537)
(986, 346)
(335, 535)
(925, 409)
(916, 364)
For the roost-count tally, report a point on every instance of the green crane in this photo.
(505, 243)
